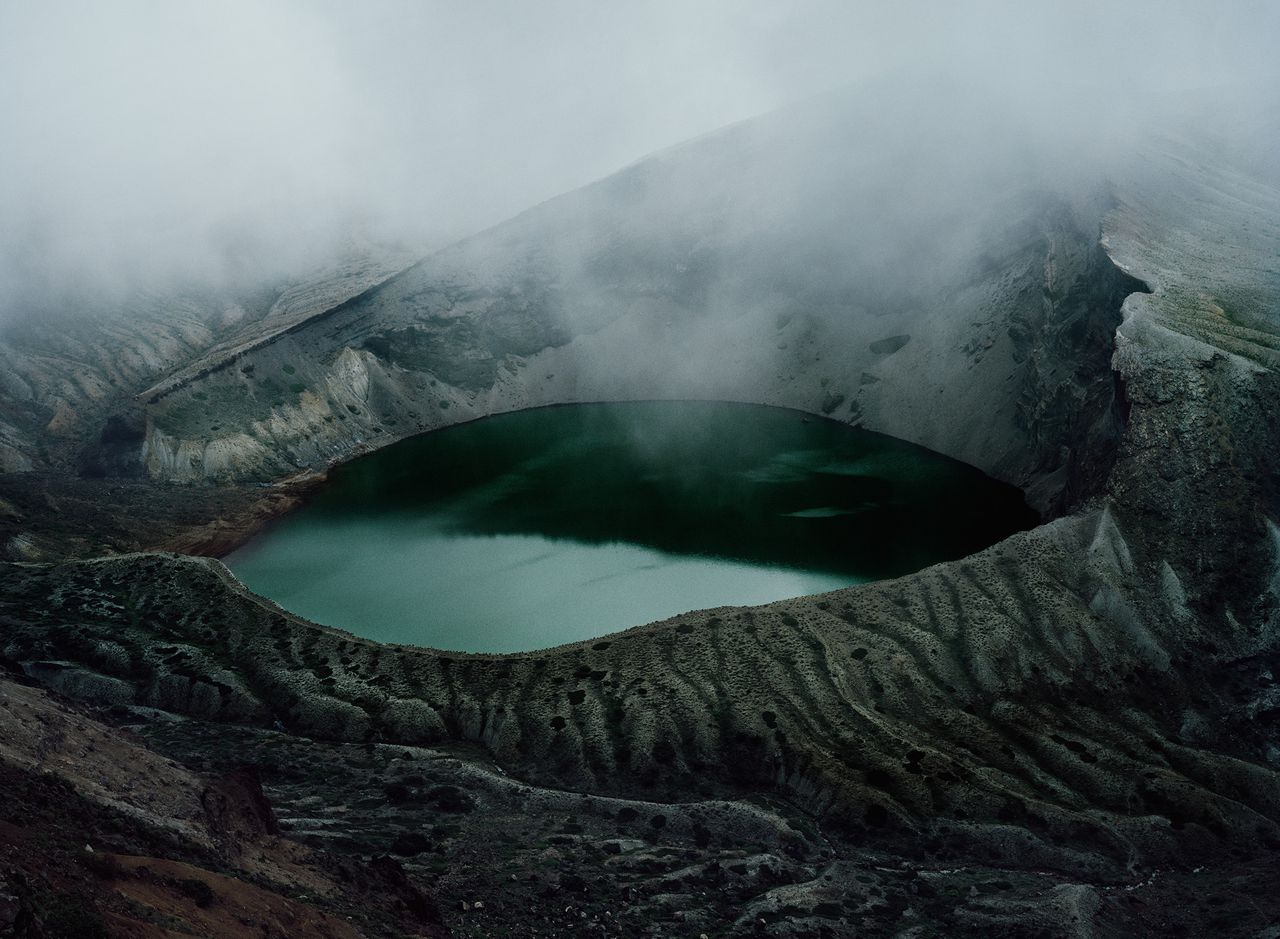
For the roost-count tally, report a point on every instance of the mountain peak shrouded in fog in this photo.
(149, 143)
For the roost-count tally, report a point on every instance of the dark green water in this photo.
(542, 527)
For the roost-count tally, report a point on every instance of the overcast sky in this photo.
(143, 140)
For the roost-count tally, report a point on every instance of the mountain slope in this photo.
(947, 289)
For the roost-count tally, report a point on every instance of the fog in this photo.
(148, 144)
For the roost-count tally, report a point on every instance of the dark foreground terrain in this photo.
(1074, 733)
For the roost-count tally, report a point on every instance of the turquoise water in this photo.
(529, 530)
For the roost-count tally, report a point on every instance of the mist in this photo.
(153, 144)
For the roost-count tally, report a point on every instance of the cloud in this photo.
(151, 141)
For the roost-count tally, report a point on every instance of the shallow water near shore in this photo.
(537, 528)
